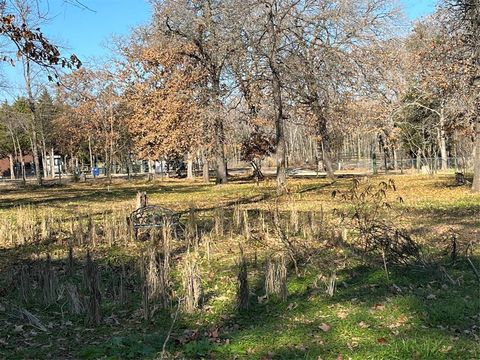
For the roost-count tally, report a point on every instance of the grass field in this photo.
(420, 310)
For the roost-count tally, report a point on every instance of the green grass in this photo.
(415, 313)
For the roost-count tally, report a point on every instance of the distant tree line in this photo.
(213, 81)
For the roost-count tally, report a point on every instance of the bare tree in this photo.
(461, 19)
(203, 25)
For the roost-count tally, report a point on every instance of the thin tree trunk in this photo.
(395, 158)
(22, 162)
(52, 163)
(45, 166)
(443, 139)
(110, 155)
(474, 11)
(280, 146)
(476, 159)
(36, 158)
(31, 104)
(324, 143)
(190, 166)
(205, 168)
(15, 150)
(90, 152)
(219, 150)
(12, 170)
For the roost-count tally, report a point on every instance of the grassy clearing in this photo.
(418, 312)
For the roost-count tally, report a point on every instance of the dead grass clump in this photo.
(242, 283)
(75, 299)
(369, 215)
(48, 282)
(276, 277)
(94, 296)
(191, 282)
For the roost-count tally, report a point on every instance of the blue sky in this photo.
(418, 8)
(86, 33)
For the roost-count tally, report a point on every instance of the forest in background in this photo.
(279, 82)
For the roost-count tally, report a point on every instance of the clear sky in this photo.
(418, 8)
(86, 32)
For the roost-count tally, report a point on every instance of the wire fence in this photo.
(344, 165)
(417, 165)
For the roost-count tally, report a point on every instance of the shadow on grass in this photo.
(414, 314)
(420, 317)
(45, 196)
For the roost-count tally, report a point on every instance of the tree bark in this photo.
(43, 150)
(219, 133)
(443, 139)
(31, 103)
(22, 162)
(12, 170)
(205, 168)
(280, 145)
(324, 143)
(52, 163)
(90, 153)
(476, 159)
(36, 158)
(190, 166)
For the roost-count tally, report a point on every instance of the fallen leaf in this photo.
(363, 325)
(382, 340)
(325, 327)
(214, 334)
(378, 307)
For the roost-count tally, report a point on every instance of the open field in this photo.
(340, 301)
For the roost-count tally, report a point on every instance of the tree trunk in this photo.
(443, 139)
(280, 151)
(110, 155)
(33, 129)
(475, 15)
(395, 158)
(324, 143)
(13, 175)
(45, 166)
(52, 163)
(106, 164)
(205, 168)
(151, 169)
(219, 133)
(280, 146)
(22, 162)
(12, 170)
(90, 153)
(476, 159)
(36, 158)
(190, 166)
